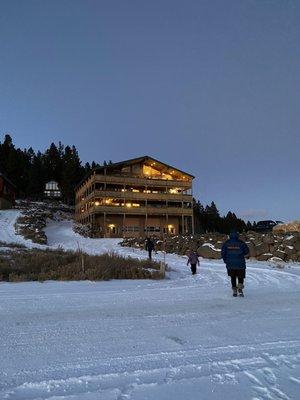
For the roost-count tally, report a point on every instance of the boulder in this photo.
(264, 257)
(268, 239)
(297, 245)
(290, 239)
(207, 250)
(289, 250)
(280, 254)
(218, 245)
(252, 249)
(261, 248)
(293, 226)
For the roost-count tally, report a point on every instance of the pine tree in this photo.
(73, 172)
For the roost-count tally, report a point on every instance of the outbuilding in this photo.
(7, 192)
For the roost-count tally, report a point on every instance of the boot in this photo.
(240, 289)
(234, 292)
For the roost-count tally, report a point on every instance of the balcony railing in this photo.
(138, 210)
(129, 195)
(129, 180)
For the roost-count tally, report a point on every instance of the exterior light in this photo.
(128, 205)
(111, 226)
(97, 203)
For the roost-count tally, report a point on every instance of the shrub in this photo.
(41, 265)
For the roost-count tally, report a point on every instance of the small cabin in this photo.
(7, 192)
(52, 190)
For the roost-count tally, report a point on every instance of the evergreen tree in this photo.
(73, 172)
(249, 226)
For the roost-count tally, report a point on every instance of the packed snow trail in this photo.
(182, 338)
(150, 340)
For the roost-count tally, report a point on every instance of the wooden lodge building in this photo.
(135, 198)
(7, 192)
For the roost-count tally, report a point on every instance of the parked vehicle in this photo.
(266, 226)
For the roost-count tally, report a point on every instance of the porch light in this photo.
(111, 226)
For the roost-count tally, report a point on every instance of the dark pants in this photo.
(234, 283)
(193, 268)
(150, 254)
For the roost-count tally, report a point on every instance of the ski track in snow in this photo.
(181, 338)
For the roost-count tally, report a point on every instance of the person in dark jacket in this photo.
(193, 259)
(234, 251)
(150, 246)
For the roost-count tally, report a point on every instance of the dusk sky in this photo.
(210, 87)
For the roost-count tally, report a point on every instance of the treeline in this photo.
(30, 170)
(208, 219)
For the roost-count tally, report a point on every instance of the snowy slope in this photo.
(7, 229)
(181, 338)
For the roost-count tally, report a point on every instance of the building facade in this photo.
(136, 198)
(52, 190)
(7, 192)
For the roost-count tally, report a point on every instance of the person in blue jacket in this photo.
(234, 252)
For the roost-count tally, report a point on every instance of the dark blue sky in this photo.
(211, 87)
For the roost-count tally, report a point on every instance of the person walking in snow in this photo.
(233, 253)
(150, 246)
(193, 259)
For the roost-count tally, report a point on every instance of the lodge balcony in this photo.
(129, 180)
(171, 211)
(129, 195)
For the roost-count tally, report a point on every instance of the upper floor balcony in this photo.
(137, 195)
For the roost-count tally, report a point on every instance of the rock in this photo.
(289, 250)
(268, 239)
(218, 245)
(261, 248)
(277, 262)
(280, 254)
(252, 249)
(293, 226)
(297, 245)
(209, 251)
(264, 257)
(290, 239)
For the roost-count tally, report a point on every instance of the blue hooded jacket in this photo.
(234, 251)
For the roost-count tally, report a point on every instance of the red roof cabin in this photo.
(7, 193)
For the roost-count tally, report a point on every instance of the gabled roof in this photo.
(132, 161)
(140, 160)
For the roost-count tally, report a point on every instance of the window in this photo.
(152, 229)
(131, 228)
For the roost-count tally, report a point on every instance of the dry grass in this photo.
(12, 245)
(41, 265)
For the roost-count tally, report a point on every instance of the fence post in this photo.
(162, 270)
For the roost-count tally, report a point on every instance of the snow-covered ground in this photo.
(185, 337)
